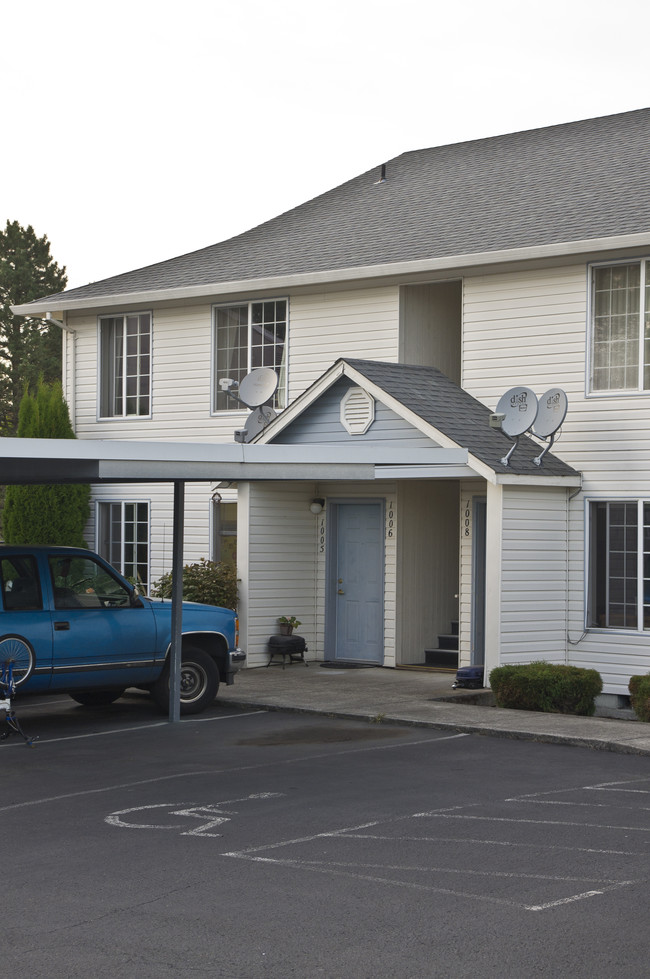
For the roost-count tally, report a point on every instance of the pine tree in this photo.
(53, 513)
(29, 348)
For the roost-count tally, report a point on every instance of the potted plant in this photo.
(287, 624)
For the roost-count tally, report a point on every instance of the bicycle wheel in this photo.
(18, 652)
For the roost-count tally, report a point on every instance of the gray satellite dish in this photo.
(258, 387)
(258, 419)
(519, 408)
(553, 406)
(552, 411)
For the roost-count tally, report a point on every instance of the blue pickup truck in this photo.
(72, 624)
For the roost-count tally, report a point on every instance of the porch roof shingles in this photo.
(436, 399)
(564, 183)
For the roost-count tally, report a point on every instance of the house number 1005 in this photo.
(321, 535)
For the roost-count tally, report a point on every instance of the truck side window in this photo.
(21, 588)
(80, 582)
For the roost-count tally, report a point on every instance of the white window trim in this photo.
(123, 503)
(238, 411)
(639, 391)
(614, 630)
(122, 418)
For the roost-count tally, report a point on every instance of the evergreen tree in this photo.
(48, 514)
(29, 348)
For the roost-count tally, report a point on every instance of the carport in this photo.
(32, 461)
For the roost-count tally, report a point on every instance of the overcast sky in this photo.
(135, 131)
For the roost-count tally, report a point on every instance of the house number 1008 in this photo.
(467, 520)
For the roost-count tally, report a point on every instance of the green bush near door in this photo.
(546, 687)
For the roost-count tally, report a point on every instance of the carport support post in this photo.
(177, 604)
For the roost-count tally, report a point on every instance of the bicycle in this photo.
(8, 684)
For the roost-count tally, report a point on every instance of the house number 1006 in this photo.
(390, 516)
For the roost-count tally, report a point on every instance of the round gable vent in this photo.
(357, 411)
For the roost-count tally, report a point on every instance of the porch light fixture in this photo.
(316, 506)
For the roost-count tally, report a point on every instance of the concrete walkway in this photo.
(411, 697)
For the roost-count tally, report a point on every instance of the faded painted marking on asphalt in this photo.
(212, 815)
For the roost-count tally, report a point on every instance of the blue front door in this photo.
(356, 594)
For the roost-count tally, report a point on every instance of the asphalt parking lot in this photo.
(254, 844)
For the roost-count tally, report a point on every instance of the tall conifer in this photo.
(52, 513)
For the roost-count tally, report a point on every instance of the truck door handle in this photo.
(61, 626)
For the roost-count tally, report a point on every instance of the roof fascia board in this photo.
(514, 479)
(425, 472)
(359, 273)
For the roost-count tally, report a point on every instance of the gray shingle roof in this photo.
(437, 400)
(563, 183)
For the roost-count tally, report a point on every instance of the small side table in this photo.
(292, 648)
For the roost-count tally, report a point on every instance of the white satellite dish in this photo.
(258, 419)
(553, 406)
(258, 387)
(519, 408)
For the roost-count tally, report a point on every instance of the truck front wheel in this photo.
(199, 682)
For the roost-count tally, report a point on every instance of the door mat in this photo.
(334, 665)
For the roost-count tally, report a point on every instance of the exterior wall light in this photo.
(316, 506)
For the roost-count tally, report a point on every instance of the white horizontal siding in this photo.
(281, 561)
(352, 323)
(533, 575)
(160, 496)
(322, 328)
(531, 328)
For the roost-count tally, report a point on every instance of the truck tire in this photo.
(199, 682)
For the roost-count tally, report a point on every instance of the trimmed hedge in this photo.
(546, 687)
(208, 582)
(639, 687)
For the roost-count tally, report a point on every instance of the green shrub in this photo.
(546, 687)
(209, 582)
(639, 687)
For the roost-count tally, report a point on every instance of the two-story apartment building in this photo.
(396, 310)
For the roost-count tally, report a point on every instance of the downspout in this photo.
(71, 381)
(568, 641)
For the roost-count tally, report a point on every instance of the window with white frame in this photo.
(224, 532)
(619, 573)
(246, 336)
(125, 365)
(123, 538)
(620, 327)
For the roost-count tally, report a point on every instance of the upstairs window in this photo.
(246, 336)
(620, 304)
(125, 365)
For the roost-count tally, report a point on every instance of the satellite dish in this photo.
(519, 408)
(553, 406)
(258, 419)
(258, 387)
